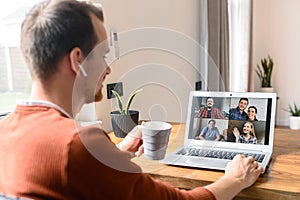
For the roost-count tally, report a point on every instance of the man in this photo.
(45, 154)
(209, 111)
(210, 132)
(239, 113)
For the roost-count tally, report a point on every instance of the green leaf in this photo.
(294, 110)
(264, 72)
(119, 100)
(130, 100)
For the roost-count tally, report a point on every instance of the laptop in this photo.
(231, 133)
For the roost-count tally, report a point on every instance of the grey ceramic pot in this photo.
(123, 124)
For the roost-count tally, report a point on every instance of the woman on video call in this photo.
(248, 134)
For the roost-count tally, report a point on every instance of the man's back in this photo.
(45, 155)
(33, 141)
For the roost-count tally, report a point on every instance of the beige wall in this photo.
(166, 77)
(276, 31)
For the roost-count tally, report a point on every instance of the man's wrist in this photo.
(225, 188)
(119, 146)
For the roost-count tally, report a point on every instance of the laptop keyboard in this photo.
(208, 153)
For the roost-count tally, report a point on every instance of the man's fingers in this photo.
(136, 132)
(260, 169)
(250, 159)
(140, 151)
(255, 164)
(239, 157)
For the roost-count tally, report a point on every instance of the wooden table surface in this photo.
(280, 181)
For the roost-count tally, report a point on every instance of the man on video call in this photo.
(46, 154)
(209, 111)
(239, 112)
(209, 132)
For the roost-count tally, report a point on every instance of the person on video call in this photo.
(239, 113)
(210, 132)
(247, 135)
(209, 111)
(251, 113)
(47, 154)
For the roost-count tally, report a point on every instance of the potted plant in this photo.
(124, 120)
(294, 119)
(264, 73)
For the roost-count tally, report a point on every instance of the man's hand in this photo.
(240, 173)
(133, 142)
(244, 170)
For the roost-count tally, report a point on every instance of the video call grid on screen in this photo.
(226, 125)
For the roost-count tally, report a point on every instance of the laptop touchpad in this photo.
(204, 162)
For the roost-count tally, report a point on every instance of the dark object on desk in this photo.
(123, 120)
(122, 124)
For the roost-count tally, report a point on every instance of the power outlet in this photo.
(198, 85)
(118, 87)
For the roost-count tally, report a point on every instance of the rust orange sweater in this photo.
(45, 155)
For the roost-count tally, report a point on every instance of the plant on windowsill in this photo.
(294, 119)
(124, 120)
(264, 73)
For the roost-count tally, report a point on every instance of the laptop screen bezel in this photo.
(266, 148)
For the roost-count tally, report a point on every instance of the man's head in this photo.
(243, 103)
(212, 123)
(59, 35)
(52, 29)
(209, 102)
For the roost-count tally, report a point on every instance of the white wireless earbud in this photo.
(82, 69)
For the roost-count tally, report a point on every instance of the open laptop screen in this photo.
(231, 118)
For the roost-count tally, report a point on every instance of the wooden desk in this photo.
(281, 180)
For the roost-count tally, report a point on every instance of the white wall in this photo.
(276, 32)
(166, 74)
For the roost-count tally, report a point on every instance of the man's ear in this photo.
(76, 57)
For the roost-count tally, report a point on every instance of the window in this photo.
(15, 81)
(239, 13)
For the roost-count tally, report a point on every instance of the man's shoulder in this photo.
(215, 108)
(233, 109)
(203, 108)
(205, 129)
(216, 129)
(88, 135)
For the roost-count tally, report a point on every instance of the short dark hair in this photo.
(209, 98)
(212, 120)
(52, 29)
(243, 98)
(253, 108)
